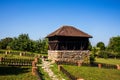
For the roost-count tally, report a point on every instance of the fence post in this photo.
(34, 70)
(80, 79)
(59, 67)
(33, 64)
(36, 60)
(118, 67)
(21, 54)
(1, 58)
(6, 52)
(99, 65)
(79, 63)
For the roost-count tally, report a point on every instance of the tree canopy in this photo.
(24, 43)
(5, 42)
(114, 44)
(101, 45)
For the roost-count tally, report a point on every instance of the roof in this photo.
(69, 31)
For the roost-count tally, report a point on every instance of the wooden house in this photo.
(67, 38)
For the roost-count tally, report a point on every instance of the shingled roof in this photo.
(69, 31)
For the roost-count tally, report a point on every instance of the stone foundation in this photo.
(68, 56)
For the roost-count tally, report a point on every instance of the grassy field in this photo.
(93, 73)
(108, 61)
(16, 73)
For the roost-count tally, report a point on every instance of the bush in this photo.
(105, 54)
(92, 58)
(118, 55)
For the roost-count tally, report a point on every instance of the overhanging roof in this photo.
(69, 31)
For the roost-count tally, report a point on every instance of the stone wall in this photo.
(68, 56)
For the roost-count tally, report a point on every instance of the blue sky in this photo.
(38, 18)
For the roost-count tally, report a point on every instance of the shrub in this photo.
(105, 54)
(92, 58)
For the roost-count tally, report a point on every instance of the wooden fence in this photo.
(101, 65)
(18, 53)
(95, 64)
(16, 62)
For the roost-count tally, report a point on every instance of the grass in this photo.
(43, 74)
(16, 73)
(93, 73)
(108, 61)
(59, 74)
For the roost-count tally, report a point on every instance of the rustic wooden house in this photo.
(67, 42)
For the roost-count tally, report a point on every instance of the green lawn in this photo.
(16, 73)
(93, 73)
(108, 61)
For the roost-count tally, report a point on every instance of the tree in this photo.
(14, 44)
(89, 46)
(114, 45)
(101, 45)
(22, 43)
(5, 42)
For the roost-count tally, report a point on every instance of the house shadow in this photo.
(12, 70)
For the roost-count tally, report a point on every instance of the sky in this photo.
(38, 18)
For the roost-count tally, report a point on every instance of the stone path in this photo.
(46, 66)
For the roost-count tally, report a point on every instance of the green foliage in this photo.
(114, 44)
(107, 54)
(101, 45)
(89, 46)
(104, 54)
(92, 58)
(24, 43)
(5, 42)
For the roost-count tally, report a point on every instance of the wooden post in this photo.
(36, 60)
(79, 63)
(59, 67)
(6, 52)
(99, 65)
(1, 58)
(20, 54)
(80, 79)
(118, 67)
(34, 70)
(33, 64)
